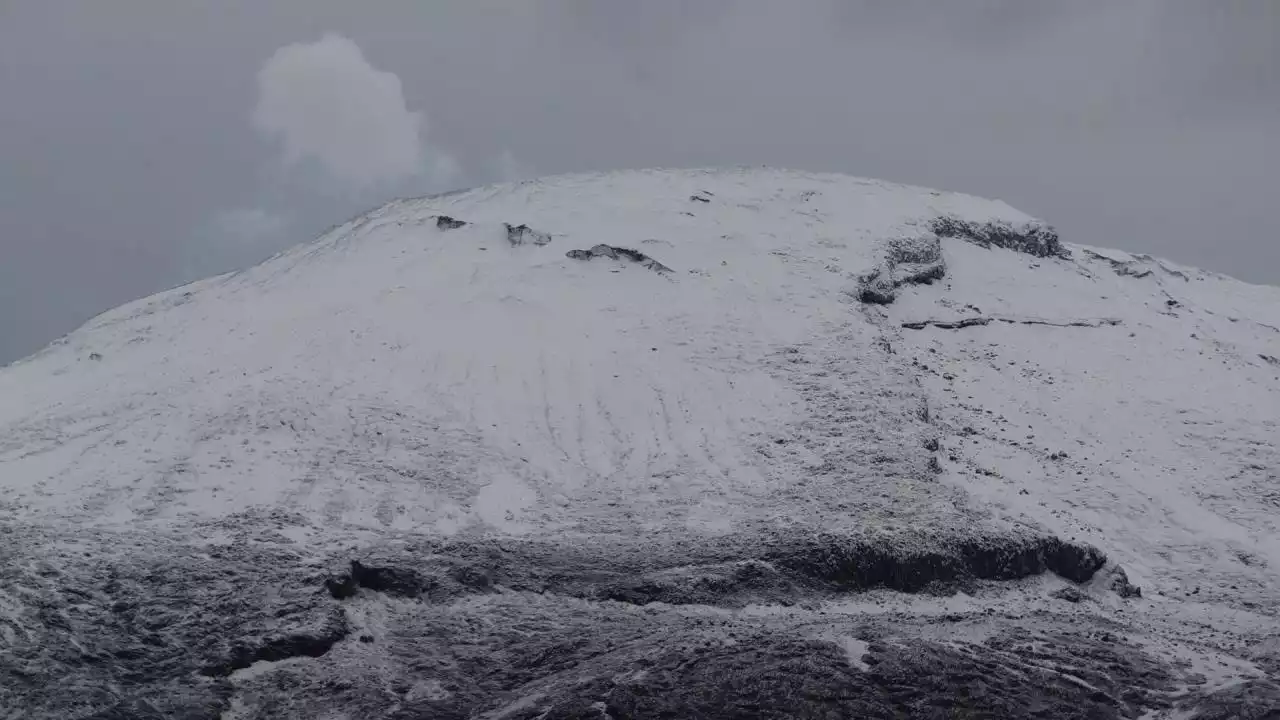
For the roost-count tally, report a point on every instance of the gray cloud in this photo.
(128, 146)
(509, 168)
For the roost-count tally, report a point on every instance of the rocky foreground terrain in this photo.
(660, 444)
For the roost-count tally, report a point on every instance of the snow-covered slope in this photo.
(1118, 398)
(397, 375)
(672, 392)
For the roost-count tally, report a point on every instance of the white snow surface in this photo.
(394, 376)
(1169, 418)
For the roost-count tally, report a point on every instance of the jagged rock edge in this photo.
(962, 323)
(523, 234)
(908, 261)
(782, 571)
(619, 253)
(1032, 238)
(444, 222)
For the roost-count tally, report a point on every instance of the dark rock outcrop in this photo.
(1118, 581)
(727, 584)
(308, 642)
(444, 222)
(908, 261)
(732, 572)
(432, 574)
(1069, 594)
(619, 253)
(947, 324)
(402, 582)
(1033, 238)
(977, 321)
(525, 235)
(912, 564)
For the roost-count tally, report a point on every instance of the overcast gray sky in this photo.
(145, 143)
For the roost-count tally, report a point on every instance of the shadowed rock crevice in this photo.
(961, 323)
(619, 253)
(1033, 238)
(947, 324)
(312, 642)
(435, 577)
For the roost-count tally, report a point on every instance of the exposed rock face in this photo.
(848, 564)
(206, 630)
(303, 642)
(1119, 583)
(731, 571)
(918, 261)
(908, 261)
(1032, 238)
(619, 253)
(525, 235)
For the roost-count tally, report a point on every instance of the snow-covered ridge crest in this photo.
(880, 210)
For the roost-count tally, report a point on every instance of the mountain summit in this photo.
(740, 443)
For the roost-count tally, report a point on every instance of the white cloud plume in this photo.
(325, 102)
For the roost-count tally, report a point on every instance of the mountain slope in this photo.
(597, 376)
(499, 451)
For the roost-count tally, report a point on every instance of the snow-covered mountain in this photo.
(748, 443)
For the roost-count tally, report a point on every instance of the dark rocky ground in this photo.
(139, 625)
